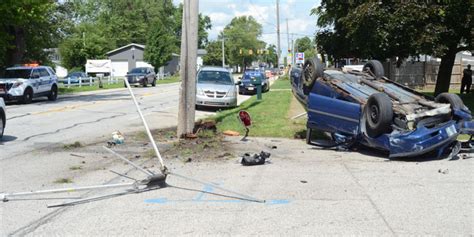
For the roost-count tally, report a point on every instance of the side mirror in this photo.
(238, 83)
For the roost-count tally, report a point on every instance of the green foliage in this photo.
(28, 27)
(306, 46)
(242, 35)
(214, 54)
(161, 43)
(387, 29)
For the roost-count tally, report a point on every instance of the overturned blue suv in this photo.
(364, 107)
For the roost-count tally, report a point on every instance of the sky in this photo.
(297, 12)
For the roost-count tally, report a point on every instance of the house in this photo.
(131, 56)
(125, 58)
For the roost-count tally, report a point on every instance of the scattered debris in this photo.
(190, 136)
(63, 181)
(256, 159)
(205, 125)
(111, 144)
(465, 156)
(188, 160)
(83, 162)
(303, 181)
(117, 137)
(73, 145)
(224, 155)
(446, 171)
(76, 155)
(75, 167)
(231, 133)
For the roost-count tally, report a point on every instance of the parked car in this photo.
(250, 80)
(74, 77)
(215, 87)
(26, 82)
(367, 108)
(3, 117)
(141, 76)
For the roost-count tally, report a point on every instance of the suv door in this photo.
(45, 80)
(35, 81)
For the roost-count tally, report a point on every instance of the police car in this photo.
(3, 117)
(23, 83)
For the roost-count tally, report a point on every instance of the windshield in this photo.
(214, 77)
(254, 75)
(18, 73)
(138, 70)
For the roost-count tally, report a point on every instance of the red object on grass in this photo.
(244, 117)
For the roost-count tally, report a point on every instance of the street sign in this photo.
(299, 58)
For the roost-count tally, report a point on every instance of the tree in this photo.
(214, 53)
(204, 25)
(242, 41)
(160, 45)
(28, 27)
(387, 29)
(306, 46)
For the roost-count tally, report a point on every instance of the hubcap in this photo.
(374, 113)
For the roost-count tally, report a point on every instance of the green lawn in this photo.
(76, 89)
(282, 83)
(269, 116)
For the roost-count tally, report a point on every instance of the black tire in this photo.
(125, 85)
(312, 70)
(153, 83)
(145, 82)
(378, 115)
(376, 68)
(53, 94)
(2, 123)
(27, 96)
(454, 100)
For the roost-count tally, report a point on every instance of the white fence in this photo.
(89, 81)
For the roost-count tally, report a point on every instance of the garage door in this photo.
(119, 69)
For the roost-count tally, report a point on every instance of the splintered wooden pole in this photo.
(188, 72)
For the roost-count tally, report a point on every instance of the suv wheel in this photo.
(2, 123)
(27, 96)
(53, 94)
(154, 82)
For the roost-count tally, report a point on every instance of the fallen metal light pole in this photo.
(151, 182)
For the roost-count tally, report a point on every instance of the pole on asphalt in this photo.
(223, 54)
(278, 31)
(287, 36)
(189, 41)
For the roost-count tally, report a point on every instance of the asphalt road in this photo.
(87, 116)
(307, 191)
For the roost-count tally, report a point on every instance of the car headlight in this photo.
(17, 84)
(199, 92)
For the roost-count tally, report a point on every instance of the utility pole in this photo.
(223, 54)
(278, 31)
(188, 62)
(287, 37)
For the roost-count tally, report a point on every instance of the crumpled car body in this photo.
(342, 103)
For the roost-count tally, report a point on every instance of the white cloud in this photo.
(219, 18)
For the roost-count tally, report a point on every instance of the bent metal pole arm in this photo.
(4, 196)
(147, 129)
